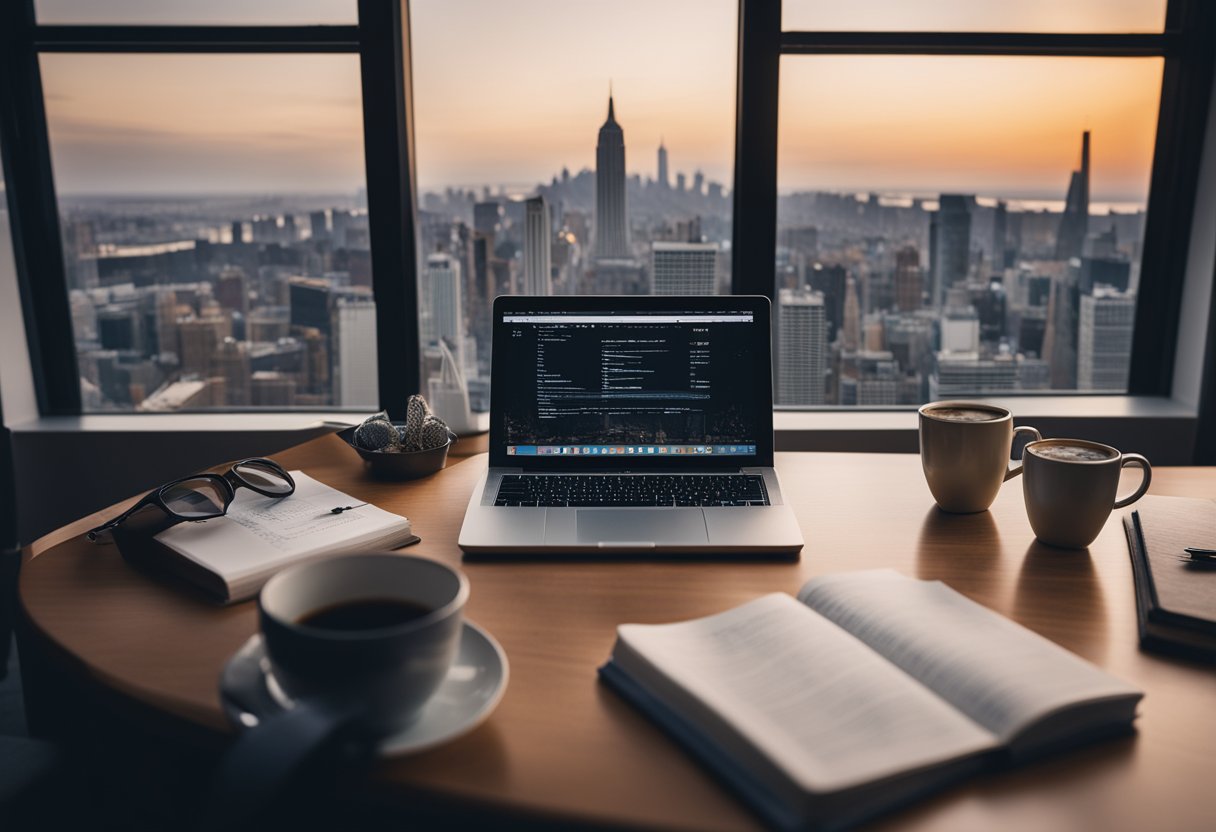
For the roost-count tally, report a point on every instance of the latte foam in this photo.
(1071, 453)
(964, 414)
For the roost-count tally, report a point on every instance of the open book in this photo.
(230, 557)
(868, 690)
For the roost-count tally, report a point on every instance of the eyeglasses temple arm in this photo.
(95, 533)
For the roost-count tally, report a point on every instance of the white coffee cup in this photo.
(386, 668)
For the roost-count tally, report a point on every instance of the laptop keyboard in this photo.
(632, 490)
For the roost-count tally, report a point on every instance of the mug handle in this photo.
(1016, 468)
(1141, 463)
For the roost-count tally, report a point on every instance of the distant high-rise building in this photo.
(231, 363)
(270, 388)
(486, 217)
(801, 347)
(318, 225)
(538, 242)
(1000, 246)
(309, 302)
(664, 181)
(611, 224)
(949, 245)
(443, 303)
(683, 268)
(698, 183)
(959, 375)
(199, 338)
(830, 281)
(1060, 335)
(681, 182)
(851, 327)
(1104, 339)
(1074, 222)
(355, 380)
(232, 290)
(118, 328)
(909, 280)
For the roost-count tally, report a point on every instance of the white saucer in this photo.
(472, 689)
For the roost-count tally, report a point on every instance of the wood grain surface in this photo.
(561, 746)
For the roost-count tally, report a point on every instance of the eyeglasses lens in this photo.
(195, 499)
(264, 477)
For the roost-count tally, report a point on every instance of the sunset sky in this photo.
(509, 92)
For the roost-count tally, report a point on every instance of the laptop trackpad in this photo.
(621, 526)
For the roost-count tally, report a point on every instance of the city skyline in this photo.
(274, 308)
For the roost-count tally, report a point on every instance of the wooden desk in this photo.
(561, 746)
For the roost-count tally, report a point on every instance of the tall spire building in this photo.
(664, 181)
(1074, 224)
(611, 227)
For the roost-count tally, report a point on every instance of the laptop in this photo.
(633, 424)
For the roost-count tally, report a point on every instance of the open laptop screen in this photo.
(641, 382)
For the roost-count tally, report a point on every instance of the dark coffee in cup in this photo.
(1070, 487)
(1072, 453)
(366, 614)
(964, 414)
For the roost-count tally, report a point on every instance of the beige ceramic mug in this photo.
(964, 450)
(1070, 487)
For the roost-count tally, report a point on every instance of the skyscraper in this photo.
(683, 268)
(611, 226)
(801, 347)
(538, 240)
(1104, 339)
(446, 318)
(909, 280)
(355, 380)
(1074, 223)
(664, 181)
(949, 245)
(850, 328)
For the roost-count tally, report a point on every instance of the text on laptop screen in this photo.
(631, 383)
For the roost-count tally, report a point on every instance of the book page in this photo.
(999, 673)
(258, 533)
(775, 677)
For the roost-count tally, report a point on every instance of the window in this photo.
(758, 147)
(954, 226)
(215, 229)
(554, 162)
(969, 199)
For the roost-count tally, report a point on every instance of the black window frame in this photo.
(1188, 46)
(380, 39)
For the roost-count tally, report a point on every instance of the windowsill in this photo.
(1024, 409)
(1161, 428)
(277, 421)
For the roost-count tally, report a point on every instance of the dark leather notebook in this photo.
(1175, 596)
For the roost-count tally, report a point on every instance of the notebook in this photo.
(635, 424)
(229, 558)
(1175, 596)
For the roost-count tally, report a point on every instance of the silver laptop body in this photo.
(631, 424)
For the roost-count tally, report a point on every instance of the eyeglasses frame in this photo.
(228, 482)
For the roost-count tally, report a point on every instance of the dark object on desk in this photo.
(401, 465)
(1175, 595)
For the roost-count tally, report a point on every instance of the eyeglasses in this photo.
(203, 496)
